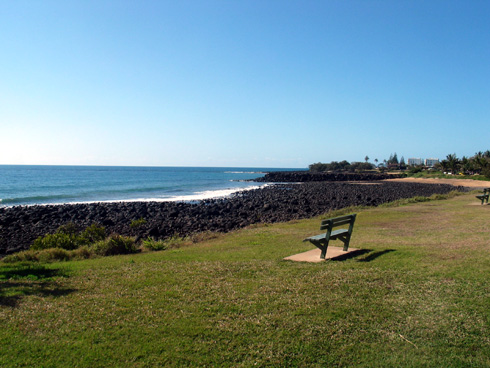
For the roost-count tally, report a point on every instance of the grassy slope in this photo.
(418, 297)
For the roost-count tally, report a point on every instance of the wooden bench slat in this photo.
(338, 221)
(332, 235)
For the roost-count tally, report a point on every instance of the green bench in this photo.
(321, 241)
(484, 197)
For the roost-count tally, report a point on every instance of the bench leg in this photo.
(322, 246)
(346, 240)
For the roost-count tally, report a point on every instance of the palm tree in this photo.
(466, 165)
(444, 165)
(453, 162)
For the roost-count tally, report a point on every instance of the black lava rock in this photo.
(21, 225)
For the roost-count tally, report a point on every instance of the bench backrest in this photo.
(329, 224)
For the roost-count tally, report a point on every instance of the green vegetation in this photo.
(68, 237)
(114, 245)
(153, 244)
(69, 243)
(477, 164)
(475, 167)
(416, 296)
(138, 223)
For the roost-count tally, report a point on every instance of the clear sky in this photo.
(260, 83)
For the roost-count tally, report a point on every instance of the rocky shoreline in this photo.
(21, 225)
(308, 176)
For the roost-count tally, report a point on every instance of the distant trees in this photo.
(393, 160)
(452, 163)
(477, 164)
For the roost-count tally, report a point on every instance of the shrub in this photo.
(24, 256)
(152, 244)
(49, 255)
(174, 241)
(53, 254)
(57, 240)
(68, 237)
(93, 233)
(115, 244)
(68, 229)
(83, 252)
(415, 169)
(486, 172)
(137, 223)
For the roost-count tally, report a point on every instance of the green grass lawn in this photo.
(419, 296)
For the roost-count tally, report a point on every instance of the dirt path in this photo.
(456, 182)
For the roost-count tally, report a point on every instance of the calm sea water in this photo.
(28, 185)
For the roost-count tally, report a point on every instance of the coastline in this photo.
(21, 225)
(198, 196)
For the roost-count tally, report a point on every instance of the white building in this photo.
(431, 162)
(414, 161)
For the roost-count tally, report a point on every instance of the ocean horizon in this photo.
(64, 184)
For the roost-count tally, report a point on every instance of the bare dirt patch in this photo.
(469, 183)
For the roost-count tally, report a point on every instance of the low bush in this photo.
(152, 244)
(137, 223)
(115, 244)
(49, 255)
(486, 172)
(83, 252)
(175, 241)
(54, 254)
(57, 240)
(415, 169)
(93, 233)
(24, 256)
(68, 229)
(69, 237)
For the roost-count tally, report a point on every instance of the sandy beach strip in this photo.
(468, 183)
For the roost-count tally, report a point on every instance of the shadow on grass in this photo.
(360, 252)
(373, 256)
(18, 281)
(350, 255)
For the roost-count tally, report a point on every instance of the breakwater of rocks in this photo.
(308, 176)
(21, 225)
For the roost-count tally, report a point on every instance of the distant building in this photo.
(431, 162)
(414, 161)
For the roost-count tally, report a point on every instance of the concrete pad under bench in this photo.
(314, 254)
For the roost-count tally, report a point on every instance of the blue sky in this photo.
(258, 83)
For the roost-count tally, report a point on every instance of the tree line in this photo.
(477, 164)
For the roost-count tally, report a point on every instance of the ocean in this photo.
(31, 185)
